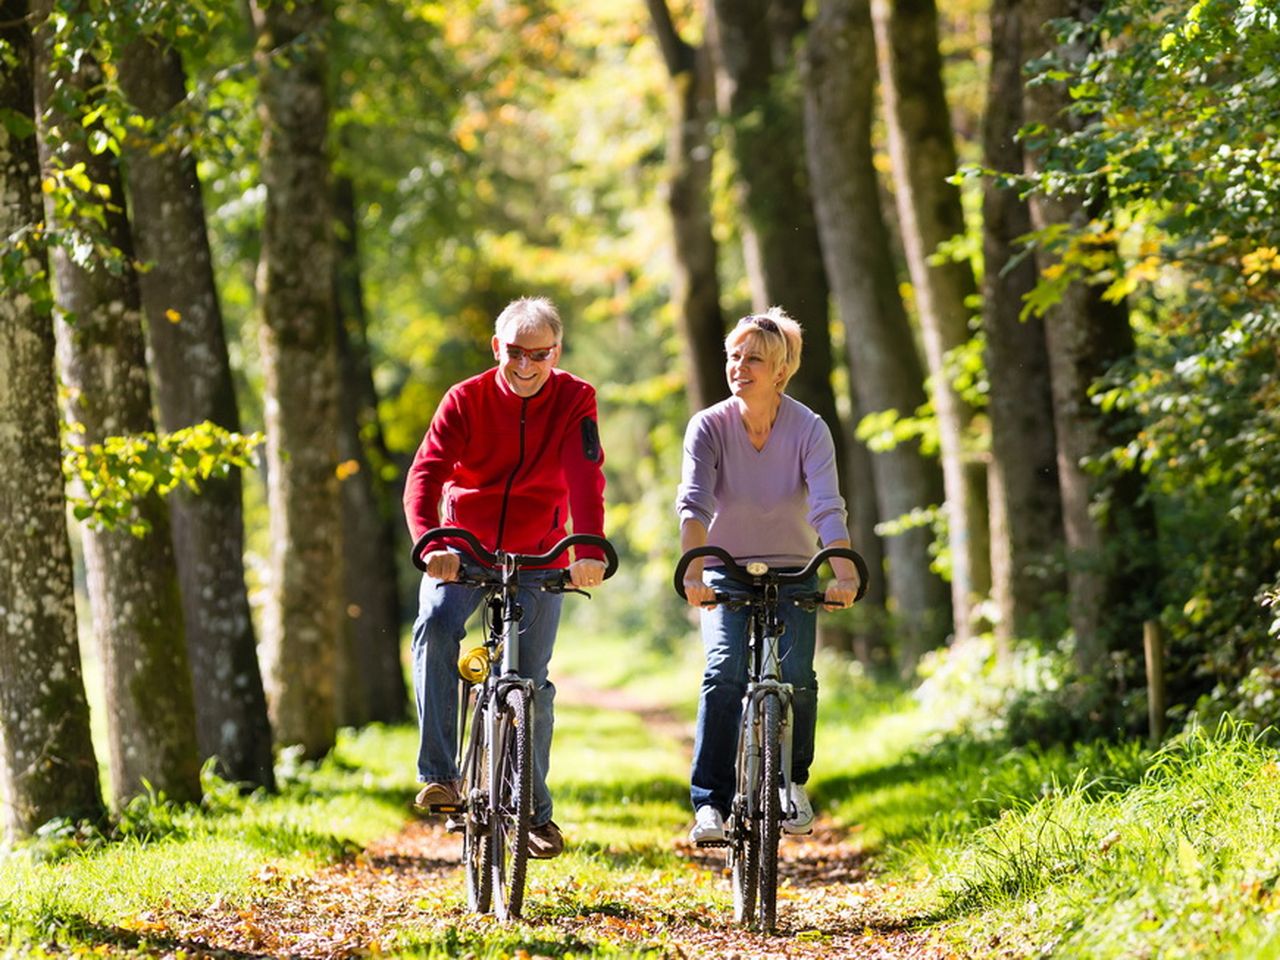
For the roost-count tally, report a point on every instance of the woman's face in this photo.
(750, 374)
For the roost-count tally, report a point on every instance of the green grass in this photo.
(1098, 851)
(74, 884)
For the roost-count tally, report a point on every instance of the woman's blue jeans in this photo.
(443, 610)
(724, 639)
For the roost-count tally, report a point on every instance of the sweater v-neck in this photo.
(746, 432)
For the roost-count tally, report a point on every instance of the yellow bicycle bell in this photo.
(473, 665)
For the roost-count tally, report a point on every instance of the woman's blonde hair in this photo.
(775, 335)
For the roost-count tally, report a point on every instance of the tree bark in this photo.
(886, 372)
(923, 155)
(376, 689)
(47, 764)
(192, 373)
(133, 586)
(753, 40)
(1026, 506)
(695, 284)
(302, 624)
(1109, 528)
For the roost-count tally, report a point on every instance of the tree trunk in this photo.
(1026, 506)
(886, 371)
(923, 155)
(133, 586)
(753, 41)
(47, 764)
(696, 285)
(371, 662)
(192, 374)
(1111, 552)
(302, 623)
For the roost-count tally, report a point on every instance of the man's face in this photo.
(525, 362)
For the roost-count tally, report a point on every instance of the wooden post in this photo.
(1153, 648)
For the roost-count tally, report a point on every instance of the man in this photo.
(511, 455)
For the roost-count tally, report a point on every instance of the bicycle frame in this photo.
(763, 763)
(764, 679)
(493, 751)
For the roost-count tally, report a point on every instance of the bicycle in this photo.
(763, 759)
(494, 751)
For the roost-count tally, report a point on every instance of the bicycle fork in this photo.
(757, 691)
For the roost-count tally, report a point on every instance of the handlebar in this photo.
(484, 555)
(738, 572)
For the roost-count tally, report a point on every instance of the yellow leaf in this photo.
(172, 315)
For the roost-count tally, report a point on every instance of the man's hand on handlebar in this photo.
(443, 565)
(586, 573)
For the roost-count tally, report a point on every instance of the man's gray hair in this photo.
(528, 315)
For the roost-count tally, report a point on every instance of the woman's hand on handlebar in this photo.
(443, 565)
(586, 573)
(841, 593)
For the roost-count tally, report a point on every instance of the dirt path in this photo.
(405, 890)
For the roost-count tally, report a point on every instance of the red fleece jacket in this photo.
(511, 470)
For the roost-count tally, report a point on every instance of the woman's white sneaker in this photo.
(802, 821)
(708, 826)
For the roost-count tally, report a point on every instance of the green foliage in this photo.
(1171, 146)
(110, 478)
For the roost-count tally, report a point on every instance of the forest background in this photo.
(1049, 357)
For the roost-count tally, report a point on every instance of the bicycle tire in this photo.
(510, 805)
(744, 840)
(477, 845)
(770, 819)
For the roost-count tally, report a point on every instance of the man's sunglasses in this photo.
(515, 353)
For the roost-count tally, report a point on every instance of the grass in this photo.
(1098, 850)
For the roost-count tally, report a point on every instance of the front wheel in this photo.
(770, 821)
(510, 804)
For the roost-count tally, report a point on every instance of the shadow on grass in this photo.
(81, 930)
(612, 793)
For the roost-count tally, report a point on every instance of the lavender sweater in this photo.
(774, 504)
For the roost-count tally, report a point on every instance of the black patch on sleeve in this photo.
(590, 440)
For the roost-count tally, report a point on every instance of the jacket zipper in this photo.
(506, 494)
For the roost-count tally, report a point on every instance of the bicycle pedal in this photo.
(447, 808)
(708, 844)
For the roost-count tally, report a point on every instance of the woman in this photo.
(759, 480)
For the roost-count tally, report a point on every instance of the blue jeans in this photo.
(437, 635)
(724, 639)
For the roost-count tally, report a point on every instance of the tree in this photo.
(1026, 507)
(47, 763)
(1109, 527)
(695, 284)
(193, 383)
(753, 40)
(303, 622)
(922, 151)
(133, 587)
(373, 688)
(886, 373)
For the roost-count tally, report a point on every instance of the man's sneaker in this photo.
(802, 822)
(545, 841)
(708, 826)
(435, 795)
